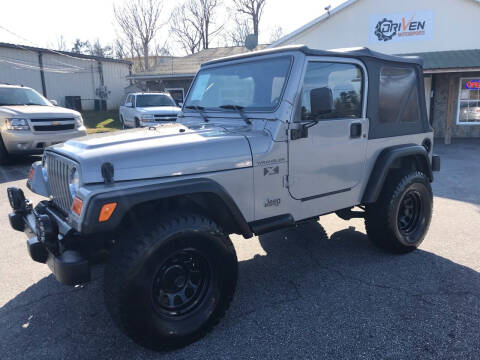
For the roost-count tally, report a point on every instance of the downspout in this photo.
(432, 99)
(42, 73)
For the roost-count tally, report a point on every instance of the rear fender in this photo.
(391, 157)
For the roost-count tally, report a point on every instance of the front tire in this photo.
(170, 284)
(4, 156)
(400, 218)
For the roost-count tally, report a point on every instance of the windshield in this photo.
(21, 96)
(253, 86)
(154, 100)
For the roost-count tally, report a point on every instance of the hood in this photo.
(159, 110)
(167, 150)
(34, 110)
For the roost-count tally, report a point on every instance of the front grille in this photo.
(165, 117)
(50, 120)
(55, 124)
(54, 127)
(59, 178)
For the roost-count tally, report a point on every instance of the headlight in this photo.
(74, 183)
(17, 124)
(147, 118)
(79, 120)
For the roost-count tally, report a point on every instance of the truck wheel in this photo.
(137, 123)
(4, 157)
(122, 121)
(400, 218)
(168, 285)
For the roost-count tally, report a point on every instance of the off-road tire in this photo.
(386, 220)
(131, 275)
(4, 156)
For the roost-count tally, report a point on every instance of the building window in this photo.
(469, 102)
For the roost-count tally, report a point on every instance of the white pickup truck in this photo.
(147, 109)
(29, 123)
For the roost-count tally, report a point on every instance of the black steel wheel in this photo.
(168, 282)
(400, 218)
(410, 212)
(180, 283)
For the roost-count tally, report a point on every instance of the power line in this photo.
(21, 64)
(49, 50)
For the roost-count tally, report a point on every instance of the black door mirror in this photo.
(321, 101)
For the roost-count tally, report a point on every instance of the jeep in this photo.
(264, 141)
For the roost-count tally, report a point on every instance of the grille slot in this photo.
(54, 127)
(51, 119)
(165, 117)
(58, 176)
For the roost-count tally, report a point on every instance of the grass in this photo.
(101, 121)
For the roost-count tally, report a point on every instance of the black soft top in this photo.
(362, 52)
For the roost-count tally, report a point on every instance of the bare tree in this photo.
(252, 9)
(61, 44)
(184, 30)
(238, 32)
(193, 24)
(139, 21)
(276, 34)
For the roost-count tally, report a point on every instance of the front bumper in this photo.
(48, 236)
(23, 142)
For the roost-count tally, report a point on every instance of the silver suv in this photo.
(29, 123)
(265, 140)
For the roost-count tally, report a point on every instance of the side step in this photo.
(263, 226)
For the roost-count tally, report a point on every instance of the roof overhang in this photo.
(451, 70)
(160, 76)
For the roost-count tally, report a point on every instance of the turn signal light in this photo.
(106, 212)
(77, 206)
(31, 173)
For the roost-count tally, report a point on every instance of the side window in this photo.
(398, 96)
(128, 99)
(345, 82)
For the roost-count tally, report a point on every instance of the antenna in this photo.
(328, 9)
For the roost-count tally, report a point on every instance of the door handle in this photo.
(355, 130)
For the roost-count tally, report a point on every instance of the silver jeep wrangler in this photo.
(265, 140)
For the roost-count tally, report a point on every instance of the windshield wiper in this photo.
(239, 109)
(199, 109)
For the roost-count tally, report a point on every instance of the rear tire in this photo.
(170, 283)
(122, 121)
(400, 218)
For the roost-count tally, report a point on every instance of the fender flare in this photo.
(385, 161)
(127, 199)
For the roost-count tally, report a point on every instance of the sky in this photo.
(41, 23)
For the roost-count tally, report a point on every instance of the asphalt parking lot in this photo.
(316, 291)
